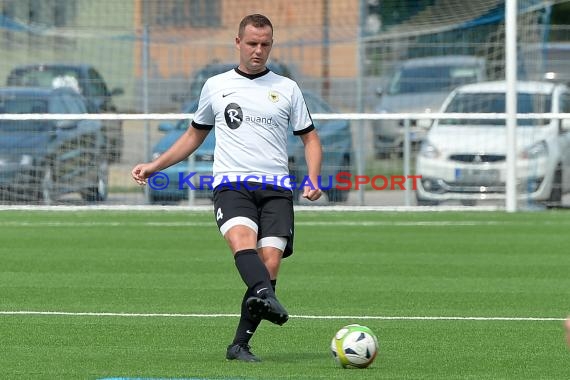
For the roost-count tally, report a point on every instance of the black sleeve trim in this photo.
(204, 127)
(303, 131)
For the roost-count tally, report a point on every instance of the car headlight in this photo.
(540, 149)
(428, 150)
(424, 123)
(26, 160)
(155, 155)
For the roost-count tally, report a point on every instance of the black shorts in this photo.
(269, 207)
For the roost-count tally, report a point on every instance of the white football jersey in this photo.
(251, 115)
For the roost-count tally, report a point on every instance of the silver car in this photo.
(420, 85)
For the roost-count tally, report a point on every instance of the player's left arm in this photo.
(314, 157)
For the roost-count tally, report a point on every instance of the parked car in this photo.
(43, 159)
(91, 85)
(420, 85)
(546, 61)
(203, 160)
(217, 67)
(465, 159)
(335, 137)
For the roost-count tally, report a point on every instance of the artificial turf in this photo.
(96, 294)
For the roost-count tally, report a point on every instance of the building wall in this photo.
(298, 32)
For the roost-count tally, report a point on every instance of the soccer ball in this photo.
(354, 346)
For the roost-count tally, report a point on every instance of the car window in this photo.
(432, 79)
(95, 85)
(22, 105)
(30, 78)
(40, 76)
(565, 103)
(495, 103)
(80, 104)
(73, 104)
(57, 105)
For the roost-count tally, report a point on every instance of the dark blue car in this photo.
(335, 137)
(43, 159)
(90, 84)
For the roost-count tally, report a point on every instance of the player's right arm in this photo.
(180, 150)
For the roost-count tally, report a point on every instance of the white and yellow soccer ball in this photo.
(354, 346)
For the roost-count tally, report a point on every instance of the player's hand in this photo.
(141, 172)
(312, 193)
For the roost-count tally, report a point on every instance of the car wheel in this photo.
(555, 198)
(425, 202)
(154, 198)
(100, 190)
(335, 195)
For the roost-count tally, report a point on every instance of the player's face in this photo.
(254, 47)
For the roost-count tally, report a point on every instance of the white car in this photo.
(465, 160)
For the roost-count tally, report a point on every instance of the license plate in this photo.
(477, 176)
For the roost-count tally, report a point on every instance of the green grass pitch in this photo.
(155, 294)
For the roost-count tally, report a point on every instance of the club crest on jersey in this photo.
(273, 96)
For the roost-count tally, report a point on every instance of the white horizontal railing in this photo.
(317, 116)
(360, 139)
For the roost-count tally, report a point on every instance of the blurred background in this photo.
(349, 56)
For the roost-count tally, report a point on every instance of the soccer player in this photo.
(250, 109)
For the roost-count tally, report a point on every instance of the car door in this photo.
(89, 143)
(63, 147)
(97, 91)
(74, 151)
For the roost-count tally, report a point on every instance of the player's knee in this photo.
(240, 238)
(271, 257)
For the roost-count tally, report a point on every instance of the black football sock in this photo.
(247, 324)
(253, 272)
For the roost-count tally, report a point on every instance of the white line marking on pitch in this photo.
(192, 315)
(13, 223)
